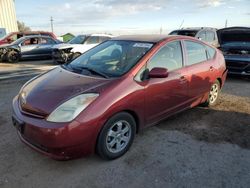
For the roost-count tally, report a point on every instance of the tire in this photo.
(116, 136)
(213, 95)
(13, 56)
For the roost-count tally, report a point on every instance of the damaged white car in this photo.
(66, 52)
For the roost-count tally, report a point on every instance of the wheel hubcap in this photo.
(118, 136)
(214, 93)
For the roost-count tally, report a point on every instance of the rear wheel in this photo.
(13, 56)
(116, 136)
(213, 94)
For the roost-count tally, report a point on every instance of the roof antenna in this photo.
(181, 24)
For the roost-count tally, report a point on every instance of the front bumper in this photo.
(238, 65)
(61, 141)
(61, 57)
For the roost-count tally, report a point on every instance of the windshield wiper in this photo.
(79, 68)
(95, 71)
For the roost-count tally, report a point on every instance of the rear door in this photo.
(164, 96)
(199, 70)
(45, 46)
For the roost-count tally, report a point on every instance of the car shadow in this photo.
(213, 126)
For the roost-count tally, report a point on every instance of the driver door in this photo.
(28, 47)
(164, 96)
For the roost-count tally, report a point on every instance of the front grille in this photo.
(39, 146)
(238, 52)
(237, 65)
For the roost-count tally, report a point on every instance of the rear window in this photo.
(190, 33)
(196, 52)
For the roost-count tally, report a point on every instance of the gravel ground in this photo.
(200, 147)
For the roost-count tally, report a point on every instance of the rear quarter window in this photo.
(196, 52)
(211, 52)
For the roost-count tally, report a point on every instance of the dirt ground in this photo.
(200, 147)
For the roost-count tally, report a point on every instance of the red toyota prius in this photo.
(98, 102)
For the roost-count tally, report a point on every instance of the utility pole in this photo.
(226, 23)
(161, 30)
(51, 24)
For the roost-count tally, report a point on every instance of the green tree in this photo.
(22, 27)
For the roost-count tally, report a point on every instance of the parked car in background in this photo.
(29, 47)
(11, 37)
(67, 52)
(235, 45)
(99, 101)
(206, 34)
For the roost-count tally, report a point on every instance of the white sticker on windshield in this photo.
(143, 45)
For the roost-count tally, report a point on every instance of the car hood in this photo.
(65, 46)
(46, 92)
(235, 35)
(5, 45)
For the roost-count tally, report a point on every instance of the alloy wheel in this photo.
(118, 136)
(214, 92)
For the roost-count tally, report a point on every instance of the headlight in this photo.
(70, 109)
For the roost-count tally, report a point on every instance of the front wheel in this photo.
(116, 136)
(13, 56)
(213, 94)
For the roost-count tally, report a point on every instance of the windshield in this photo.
(78, 39)
(111, 58)
(18, 41)
(190, 33)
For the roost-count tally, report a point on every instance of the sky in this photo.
(131, 16)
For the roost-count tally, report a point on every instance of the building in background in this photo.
(8, 19)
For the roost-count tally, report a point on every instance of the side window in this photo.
(46, 41)
(169, 57)
(92, 40)
(196, 52)
(30, 41)
(211, 52)
(210, 36)
(202, 35)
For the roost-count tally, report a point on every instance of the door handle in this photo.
(211, 68)
(183, 79)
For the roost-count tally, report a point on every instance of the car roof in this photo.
(196, 28)
(154, 38)
(144, 38)
(40, 36)
(25, 32)
(94, 34)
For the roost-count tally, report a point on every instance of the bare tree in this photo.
(22, 27)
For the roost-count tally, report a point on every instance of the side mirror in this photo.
(158, 72)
